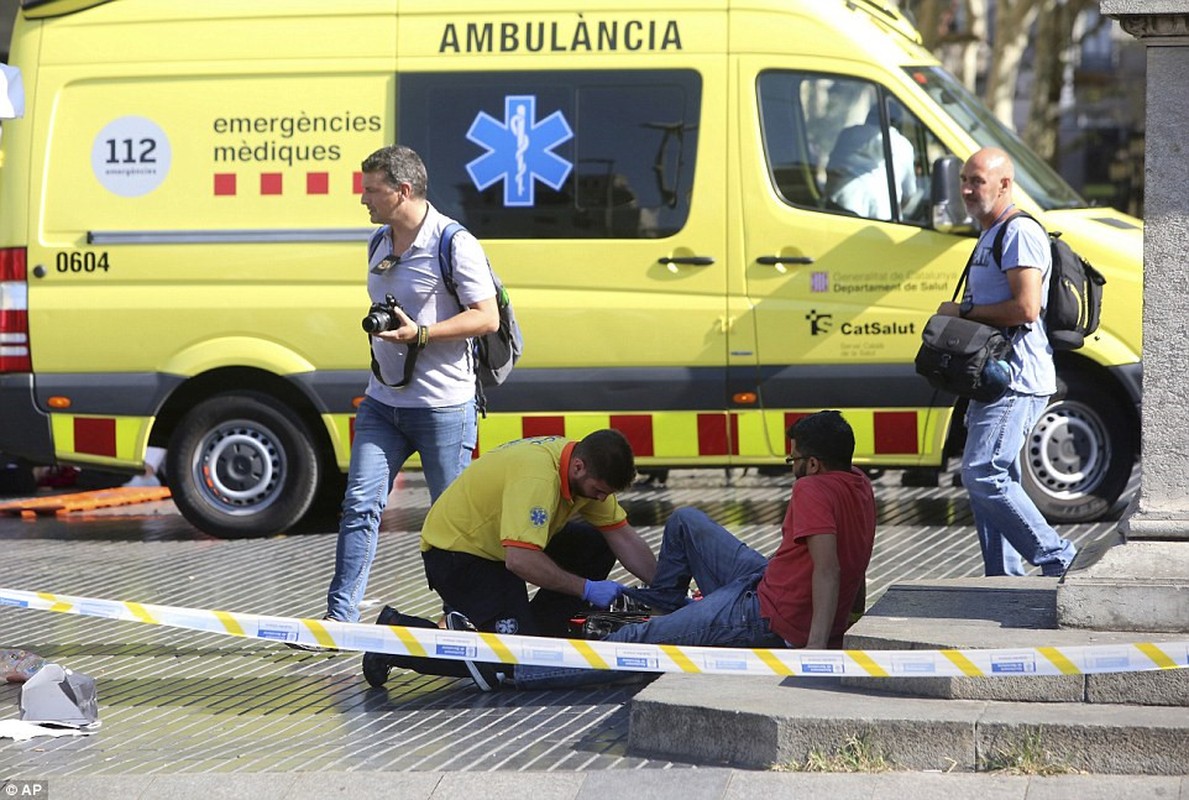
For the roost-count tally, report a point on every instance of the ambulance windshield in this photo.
(1034, 176)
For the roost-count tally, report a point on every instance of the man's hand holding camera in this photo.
(389, 322)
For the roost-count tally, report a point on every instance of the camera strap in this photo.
(373, 245)
(410, 365)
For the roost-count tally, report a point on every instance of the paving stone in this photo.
(365, 785)
(1107, 787)
(112, 787)
(896, 784)
(484, 785)
(257, 786)
(748, 785)
(656, 785)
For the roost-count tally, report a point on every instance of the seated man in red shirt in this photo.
(801, 597)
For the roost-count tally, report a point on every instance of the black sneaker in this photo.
(310, 648)
(376, 666)
(488, 677)
(388, 616)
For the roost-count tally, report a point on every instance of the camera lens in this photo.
(378, 321)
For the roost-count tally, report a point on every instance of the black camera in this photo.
(382, 316)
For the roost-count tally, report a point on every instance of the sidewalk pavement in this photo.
(695, 784)
(194, 715)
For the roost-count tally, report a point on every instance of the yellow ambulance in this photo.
(713, 216)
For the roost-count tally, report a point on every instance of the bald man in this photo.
(1008, 294)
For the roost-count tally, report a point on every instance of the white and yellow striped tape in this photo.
(422, 642)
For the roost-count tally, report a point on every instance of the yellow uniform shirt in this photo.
(517, 495)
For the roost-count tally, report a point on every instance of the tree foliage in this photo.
(983, 43)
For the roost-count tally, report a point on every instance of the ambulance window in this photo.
(556, 155)
(846, 146)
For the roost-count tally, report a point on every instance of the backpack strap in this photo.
(997, 255)
(997, 245)
(996, 251)
(446, 258)
(446, 267)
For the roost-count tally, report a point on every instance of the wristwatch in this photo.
(966, 307)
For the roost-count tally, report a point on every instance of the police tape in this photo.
(608, 655)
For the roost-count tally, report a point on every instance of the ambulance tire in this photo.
(242, 465)
(1080, 455)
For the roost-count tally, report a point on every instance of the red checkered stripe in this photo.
(890, 435)
(233, 184)
(903, 436)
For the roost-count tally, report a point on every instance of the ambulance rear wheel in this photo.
(1080, 454)
(242, 465)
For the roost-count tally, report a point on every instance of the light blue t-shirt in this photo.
(444, 374)
(1025, 246)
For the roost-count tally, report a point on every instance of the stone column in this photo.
(1143, 585)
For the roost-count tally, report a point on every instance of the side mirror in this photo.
(949, 212)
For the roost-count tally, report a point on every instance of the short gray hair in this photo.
(399, 164)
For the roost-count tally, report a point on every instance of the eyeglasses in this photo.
(795, 459)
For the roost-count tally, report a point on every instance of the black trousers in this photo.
(496, 600)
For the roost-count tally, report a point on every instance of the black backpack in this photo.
(1075, 291)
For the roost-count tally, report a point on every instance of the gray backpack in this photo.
(497, 352)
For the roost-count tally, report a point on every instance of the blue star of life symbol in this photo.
(538, 516)
(518, 150)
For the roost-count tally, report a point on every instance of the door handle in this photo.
(774, 260)
(693, 261)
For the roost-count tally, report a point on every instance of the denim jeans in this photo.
(385, 437)
(728, 615)
(1010, 528)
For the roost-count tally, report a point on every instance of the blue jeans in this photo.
(728, 615)
(1010, 528)
(385, 437)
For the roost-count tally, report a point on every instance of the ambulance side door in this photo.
(840, 267)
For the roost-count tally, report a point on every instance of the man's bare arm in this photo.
(1023, 308)
(533, 566)
(827, 579)
(632, 551)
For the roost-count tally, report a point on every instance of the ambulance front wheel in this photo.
(242, 465)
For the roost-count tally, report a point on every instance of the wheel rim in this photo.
(240, 467)
(1069, 451)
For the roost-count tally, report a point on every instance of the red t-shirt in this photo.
(841, 503)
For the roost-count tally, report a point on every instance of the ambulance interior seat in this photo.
(787, 150)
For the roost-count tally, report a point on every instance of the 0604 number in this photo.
(87, 261)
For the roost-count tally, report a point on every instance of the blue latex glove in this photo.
(601, 593)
